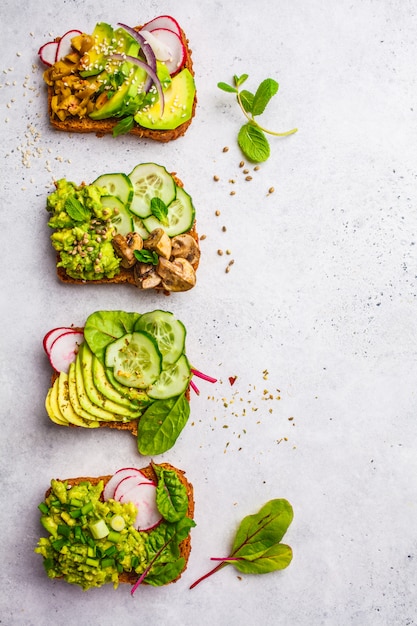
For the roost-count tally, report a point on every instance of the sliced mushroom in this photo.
(178, 275)
(186, 247)
(159, 242)
(146, 276)
(125, 248)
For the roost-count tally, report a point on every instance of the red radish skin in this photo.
(169, 45)
(47, 53)
(121, 474)
(164, 21)
(53, 334)
(64, 350)
(126, 485)
(64, 44)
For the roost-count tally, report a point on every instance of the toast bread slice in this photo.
(185, 545)
(126, 275)
(74, 124)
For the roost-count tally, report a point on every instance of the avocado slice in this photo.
(96, 412)
(107, 390)
(52, 406)
(87, 420)
(117, 411)
(179, 100)
(95, 59)
(65, 405)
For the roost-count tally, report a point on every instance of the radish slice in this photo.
(163, 21)
(167, 44)
(121, 474)
(64, 350)
(47, 52)
(128, 483)
(64, 44)
(143, 497)
(53, 334)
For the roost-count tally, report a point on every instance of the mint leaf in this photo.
(160, 210)
(239, 80)
(226, 87)
(246, 99)
(253, 143)
(263, 95)
(76, 210)
(146, 256)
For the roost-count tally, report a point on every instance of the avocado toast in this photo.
(122, 80)
(123, 370)
(129, 527)
(137, 228)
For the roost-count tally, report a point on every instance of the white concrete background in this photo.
(322, 295)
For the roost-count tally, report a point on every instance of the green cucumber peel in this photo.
(252, 136)
(257, 547)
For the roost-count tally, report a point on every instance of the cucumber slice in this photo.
(168, 332)
(121, 218)
(139, 227)
(149, 181)
(180, 218)
(135, 359)
(172, 381)
(117, 185)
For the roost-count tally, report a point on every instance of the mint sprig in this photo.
(252, 136)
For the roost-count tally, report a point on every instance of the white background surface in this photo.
(322, 295)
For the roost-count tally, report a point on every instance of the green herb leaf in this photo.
(171, 495)
(256, 548)
(161, 425)
(103, 327)
(124, 126)
(76, 210)
(146, 256)
(226, 87)
(239, 80)
(263, 95)
(160, 210)
(253, 143)
(246, 99)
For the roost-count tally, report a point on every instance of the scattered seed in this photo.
(216, 178)
(256, 168)
(217, 212)
(232, 180)
(202, 237)
(220, 252)
(224, 229)
(242, 163)
(246, 171)
(228, 252)
(248, 178)
(232, 193)
(226, 149)
(271, 190)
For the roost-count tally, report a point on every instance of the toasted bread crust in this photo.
(125, 276)
(105, 127)
(185, 545)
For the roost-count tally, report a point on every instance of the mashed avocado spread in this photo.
(83, 231)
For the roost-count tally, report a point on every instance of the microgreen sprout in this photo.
(251, 137)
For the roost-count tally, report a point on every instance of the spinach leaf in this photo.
(161, 424)
(257, 547)
(171, 495)
(103, 327)
(163, 573)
